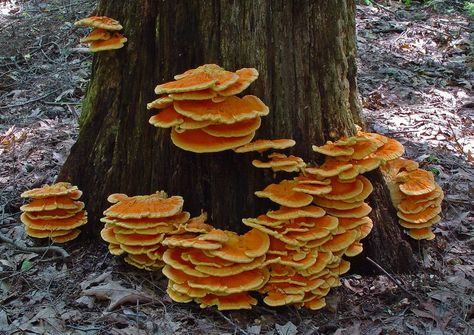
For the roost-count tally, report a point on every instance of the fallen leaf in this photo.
(287, 329)
(117, 294)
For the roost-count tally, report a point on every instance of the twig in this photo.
(29, 101)
(61, 103)
(232, 323)
(37, 250)
(383, 8)
(391, 278)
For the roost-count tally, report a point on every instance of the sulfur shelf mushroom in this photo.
(116, 41)
(263, 145)
(97, 34)
(280, 162)
(54, 212)
(284, 194)
(103, 22)
(198, 141)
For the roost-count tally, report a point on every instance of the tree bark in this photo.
(305, 53)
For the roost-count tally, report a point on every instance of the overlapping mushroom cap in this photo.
(138, 225)
(54, 212)
(206, 116)
(104, 35)
(416, 196)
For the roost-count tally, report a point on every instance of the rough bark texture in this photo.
(305, 54)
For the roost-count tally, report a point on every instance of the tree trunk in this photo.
(305, 54)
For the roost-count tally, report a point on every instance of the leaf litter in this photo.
(416, 84)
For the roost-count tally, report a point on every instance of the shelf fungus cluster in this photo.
(104, 34)
(136, 226)
(415, 195)
(54, 212)
(205, 114)
(214, 267)
(308, 241)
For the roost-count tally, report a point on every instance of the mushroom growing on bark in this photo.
(206, 116)
(104, 35)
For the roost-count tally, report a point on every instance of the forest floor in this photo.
(415, 77)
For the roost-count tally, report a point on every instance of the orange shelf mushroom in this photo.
(205, 115)
(54, 212)
(136, 226)
(104, 35)
(416, 196)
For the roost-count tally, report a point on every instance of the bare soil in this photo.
(415, 79)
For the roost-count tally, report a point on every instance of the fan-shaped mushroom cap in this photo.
(231, 110)
(115, 42)
(351, 223)
(346, 190)
(359, 167)
(167, 118)
(241, 128)
(354, 249)
(202, 77)
(288, 213)
(419, 225)
(140, 260)
(115, 249)
(310, 179)
(54, 190)
(313, 189)
(315, 303)
(205, 94)
(40, 233)
(177, 296)
(357, 212)
(389, 151)
(275, 298)
(146, 206)
(96, 35)
(71, 235)
(333, 150)
(408, 206)
(421, 234)
(190, 241)
(199, 257)
(246, 77)
(263, 145)
(199, 141)
(243, 248)
(366, 191)
(336, 204)
(108, 235)
(391, 168)
(103, 22)
(416, 182)
(228, 302)
(420, 217)
(75, 221)
(161, 229)
(323, 259)
(55, 213)
(280, 161)
(242, 282)
(160, 103)
(172, 257)
(231, 269)
(51, 203)
(330, 168)
(138, 239)
(265, 220)
(145, 223)
(154, 251)
(340, 242)
(362, 149)
(339, 268)
(284, 195)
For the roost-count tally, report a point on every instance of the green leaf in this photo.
(26, 265)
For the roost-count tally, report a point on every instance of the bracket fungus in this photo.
(204, 112)
(104, 35)
(54, 212)
(416, 196)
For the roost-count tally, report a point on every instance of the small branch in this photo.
(29, 101)
(37, 250)
(232, 323)
(396, 282)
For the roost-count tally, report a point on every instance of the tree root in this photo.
(37, 250)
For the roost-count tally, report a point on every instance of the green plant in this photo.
(469, 8)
